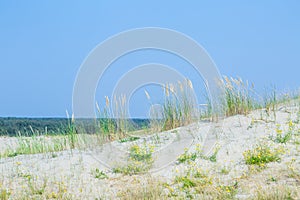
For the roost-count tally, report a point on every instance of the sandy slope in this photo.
(73, 171)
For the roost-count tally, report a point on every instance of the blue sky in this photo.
(43, 43)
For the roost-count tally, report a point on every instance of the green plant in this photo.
(36, 188)
(293, 172)
(225, 170)
(99, 174)
(297, 121)
(186, 156)
(4, 194)
(190, 156)
(197, 184)
(71, 131)
(113, 121)
(238, 96)
(272, 179)
(262, 154)
(121, 115)
(276, 192)
(271, 102)
(129, 139)
(106, 124)
(37, 144)
(186, 182)
(229, 191)
(179, 106)
(213, 157)
(140, 160)
(284, 137)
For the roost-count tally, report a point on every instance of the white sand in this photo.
(235, 135)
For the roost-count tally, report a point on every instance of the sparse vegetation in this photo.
(129, 139)
(276, 193)
(186, 156)
(213, 157)
(99, 174)
(192, 182)
(239, 96)
(284, 136)
(179, 106)
(196, 184)
(4, 193)
(150, 189)
(262, 154)
(140, 160)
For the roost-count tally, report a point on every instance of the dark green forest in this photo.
(10, 126)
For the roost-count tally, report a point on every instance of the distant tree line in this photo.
(29, 126)
(10, 126)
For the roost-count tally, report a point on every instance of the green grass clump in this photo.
(140, 160)
(239, 98)
(35, 145)
(271, 101)
(138, 153)
(262, 154)
(213, 157)
(99, 174)
(129, 139)
(4, 192)
(187, 157)
(113, 119)
(190, 156)
(179, 106)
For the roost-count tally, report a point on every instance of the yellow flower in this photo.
(290, 123)
(279, 131)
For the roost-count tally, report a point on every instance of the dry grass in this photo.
(179, 108)
(278, 192)
(239, 96)
(148, 188)
(194, 183)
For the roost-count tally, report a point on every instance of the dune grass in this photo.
(179, 109)
(239, 97)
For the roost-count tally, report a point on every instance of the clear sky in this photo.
(43, 43)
